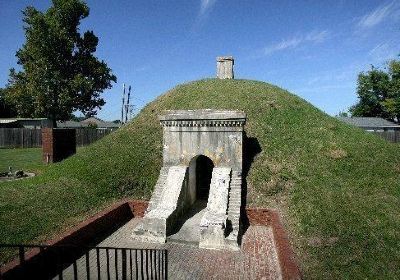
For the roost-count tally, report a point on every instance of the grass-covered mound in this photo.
(337, 187)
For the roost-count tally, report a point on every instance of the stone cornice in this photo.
(203, 123)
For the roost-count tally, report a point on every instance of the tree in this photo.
(379, 93)
(6, 110)
(60, 73)
(342, 114)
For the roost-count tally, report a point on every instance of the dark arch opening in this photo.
(204, 167)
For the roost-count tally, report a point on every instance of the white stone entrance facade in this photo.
(202, 159)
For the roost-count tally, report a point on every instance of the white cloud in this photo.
(206, 5)
(379, 48)
(205, 9)
(383, 52)
(317, 37)
(291, 43)
(378, 15)
(284, 44)
(338, 76)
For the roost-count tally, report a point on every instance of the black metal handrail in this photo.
(86, 262)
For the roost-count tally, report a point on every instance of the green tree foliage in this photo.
(6, 109)
(342, 114)
(60, 73)
(379, 93)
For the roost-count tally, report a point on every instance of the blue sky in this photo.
(314, 49)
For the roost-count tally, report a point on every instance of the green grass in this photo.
(337, 187)
(21, 159)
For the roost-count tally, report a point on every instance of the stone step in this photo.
(235, 216)
(234, 210)
(235, 187)
(234, 207)
(234, 204)
(235, 200)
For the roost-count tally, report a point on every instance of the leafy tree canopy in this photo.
(379, 93)
(60, 73)
(6, 110)
(342, 114)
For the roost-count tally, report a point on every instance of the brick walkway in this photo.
(256, 260)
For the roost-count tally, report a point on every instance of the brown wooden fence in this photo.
(32, 138)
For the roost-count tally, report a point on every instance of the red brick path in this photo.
(258, 258)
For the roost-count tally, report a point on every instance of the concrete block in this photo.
(157, 222)
(213, 223)
(225, 67)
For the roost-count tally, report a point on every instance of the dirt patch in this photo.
(337, 153)
(322, 242)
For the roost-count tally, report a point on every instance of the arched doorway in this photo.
(204, 167)
(200, 173)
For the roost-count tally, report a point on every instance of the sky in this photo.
(314, 49)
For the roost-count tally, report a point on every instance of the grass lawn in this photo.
(29, 159)
(336, 186)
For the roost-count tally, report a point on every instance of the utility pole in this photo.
(123, 104)
(127, 104)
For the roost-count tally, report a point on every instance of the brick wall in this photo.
(58, 144)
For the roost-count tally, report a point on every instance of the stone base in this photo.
(213, 237)
(147, 238)
(151, 230)
(232, 244)
(159, 221)
(213, 223)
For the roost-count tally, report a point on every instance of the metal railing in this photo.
(77, 262)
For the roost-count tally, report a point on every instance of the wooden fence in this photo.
(32, 138)
(389, 135)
